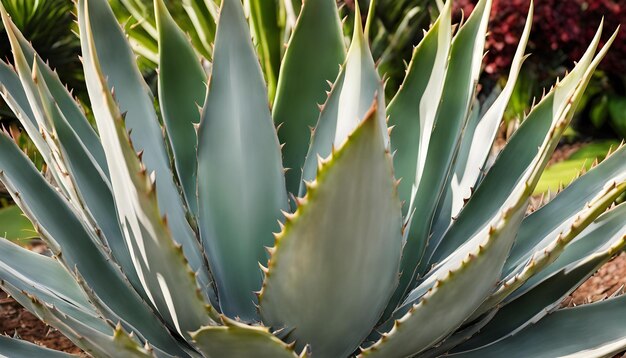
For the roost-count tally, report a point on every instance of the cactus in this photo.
(176, 231)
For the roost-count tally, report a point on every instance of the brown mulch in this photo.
(15, 320)
(564, 151)
(609, 280)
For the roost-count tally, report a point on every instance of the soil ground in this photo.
(15, 321)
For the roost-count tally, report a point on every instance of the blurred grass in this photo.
(15, 226)
(565, 171)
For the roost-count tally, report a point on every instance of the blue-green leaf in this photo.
(313, 55)
(93, 187)
(133, 97)
(62, 228)
(23, 270)
(337, 257)
(476, 143)
(412, 111)
(22, 49)
(235, 340)
(544, 292)
(182, 88)
(95, 340)
(520, 152)
(163, 270)
(10, 347)
(594, 330)
(241, 185)
(348, 103)
(458, 91)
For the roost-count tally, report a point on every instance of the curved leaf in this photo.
(348, 103)
(439, 309)
(62, 228)
(412, 111)
(542, 258)
(476, 143)
(234, 340)
(42, 128)
(337, 257)
(24, 271)
(313, 55)
(68, 106)
(594, 330)
(452, 274)
(540, 228)
(93, 187)
(117, 65)
(545, 291)
(161, 266)
(94, 341)
(10, 347)
(181, 90)
(457, 96)
(520, 152)
(241, 184)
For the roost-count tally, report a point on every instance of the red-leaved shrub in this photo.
(560, 27)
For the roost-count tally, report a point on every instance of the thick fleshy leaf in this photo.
(182, 88)
(68, 106)
(545, 291)
(47, 280)
(413, 109)
(440, 306)
(15, 97)
(62, 228)
(117, 64)
(94, 341)
(517, 156)
(10, 347)
(337, 257)
(476, 144)
(415, 310)
(49, 148)
(160, 264)
(604, 235)
(15, 226)
(544, 257)
(541, 227)
(457, 96)
(594, 330)
(93, 188)
(458, 337)
(557, 117)
(241, 184)
(348, 103)
(234, 340)
(313, 55)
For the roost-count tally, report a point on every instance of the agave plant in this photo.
(160, 257)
